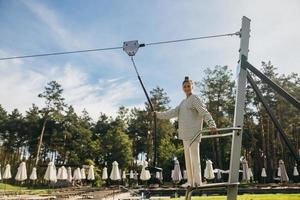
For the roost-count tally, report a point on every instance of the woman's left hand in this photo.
(214, 130)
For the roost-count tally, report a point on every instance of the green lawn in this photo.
(21, 190)
(253, 197)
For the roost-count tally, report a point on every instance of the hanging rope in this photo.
(113, 48)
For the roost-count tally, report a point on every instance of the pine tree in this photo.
(54, 105)
(216, 89)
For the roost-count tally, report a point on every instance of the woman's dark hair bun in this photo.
(187, 79)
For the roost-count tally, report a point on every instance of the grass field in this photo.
(26, 190)
(253, 197)
(21, 189)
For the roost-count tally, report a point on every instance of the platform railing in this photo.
(203, 134)
(224, 131)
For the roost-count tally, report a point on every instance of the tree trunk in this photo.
(215, 153)
(40, 141)
(217, 141)
(219, 153)
(263, 137)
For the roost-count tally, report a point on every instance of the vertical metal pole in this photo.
(232, 192)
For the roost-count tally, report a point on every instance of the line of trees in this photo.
(56, 131)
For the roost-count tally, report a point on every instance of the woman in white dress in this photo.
(190, 113)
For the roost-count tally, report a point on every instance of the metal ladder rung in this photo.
(217, 135)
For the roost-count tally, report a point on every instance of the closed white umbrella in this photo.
(124, 174)
(69, 173)
(159, 175)
(82, 171)
(115, 172)
(59, 171)
(295, 172)
(62, 173)
(7, 172)
(145, 174)
(284, 177)
(177, 176)
(50, 174)
(278, 172)
(33, 175)
(263, 172)
(250, 173)
(172, 174)
(136, 175)
(22, 172)
(104, 173)
(245, 170)
(77, 174)
(131, 175)
(91, 174)
(219, 173)
(209, 171)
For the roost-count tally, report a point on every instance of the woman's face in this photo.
(187, 88)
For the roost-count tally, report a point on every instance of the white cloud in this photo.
(104, 96)
(20, 86)
(49, 18)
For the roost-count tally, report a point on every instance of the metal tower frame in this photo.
(236, 132)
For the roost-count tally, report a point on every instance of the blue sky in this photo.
(102, 81)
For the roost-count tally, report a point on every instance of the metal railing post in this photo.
(236, 146)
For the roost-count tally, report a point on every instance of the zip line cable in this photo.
(60, 53)
(114, 48)
(195, 38)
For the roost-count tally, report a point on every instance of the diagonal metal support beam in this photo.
(264, 78)
(273, 118)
